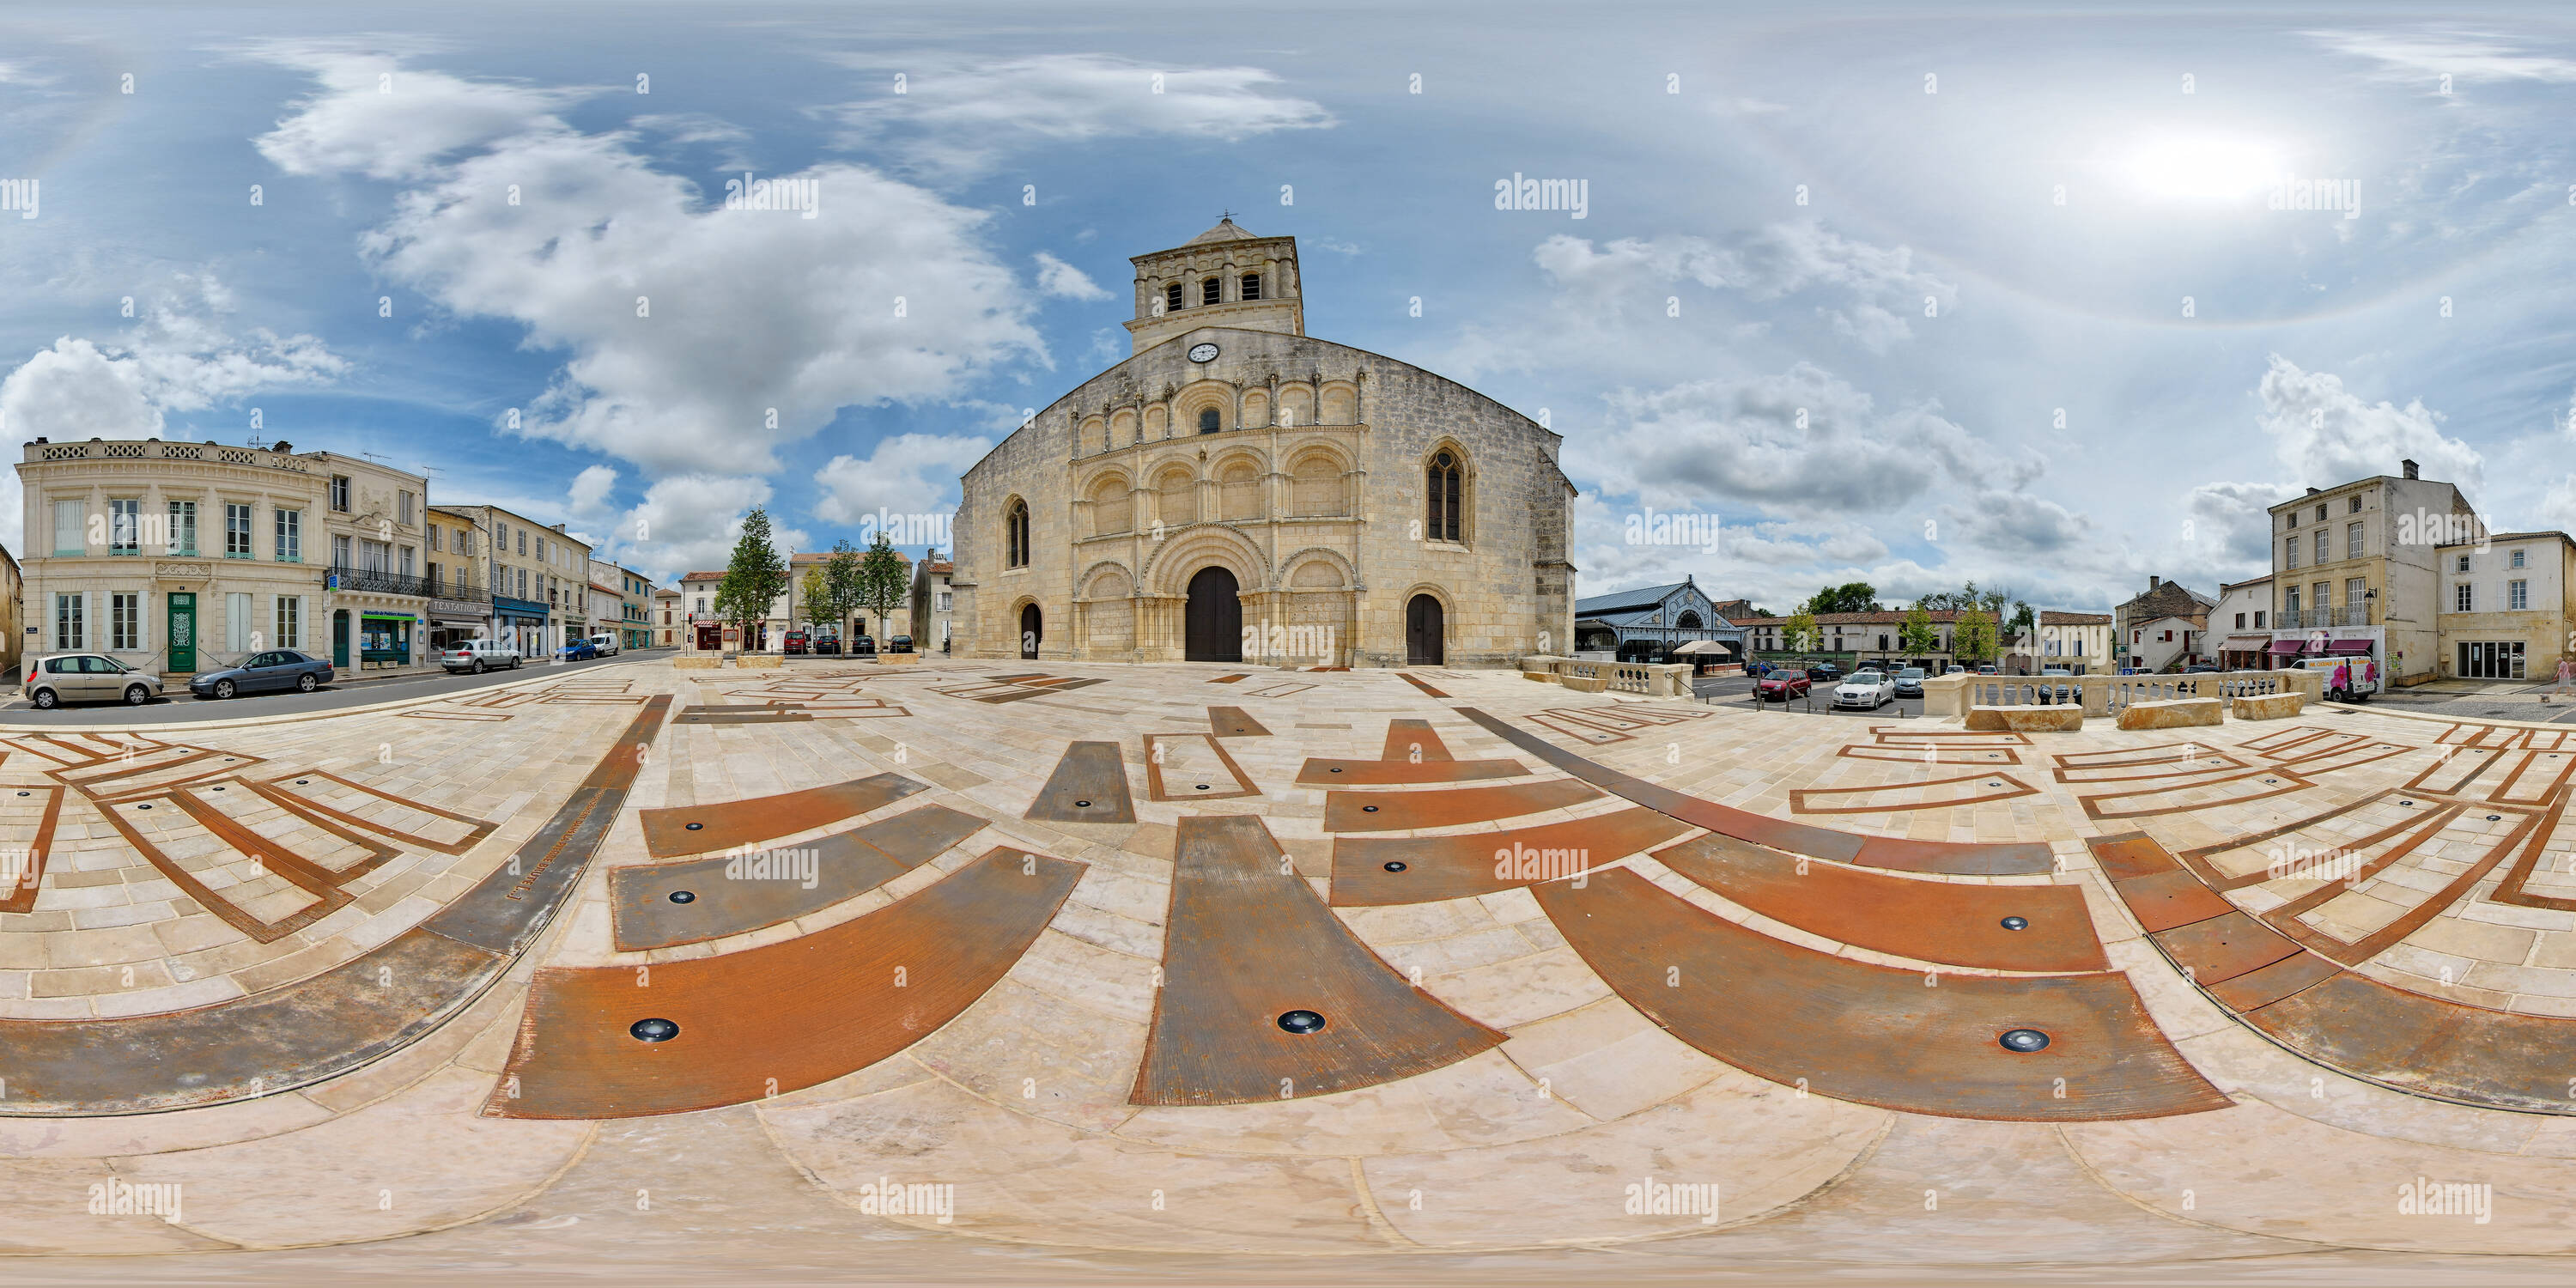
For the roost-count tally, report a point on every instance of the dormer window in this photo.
(1208, 420)
(1172, 298)
(1252, 286)
(1212, 291)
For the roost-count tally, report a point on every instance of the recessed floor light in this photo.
(1302, 1022)
(2024, 1040)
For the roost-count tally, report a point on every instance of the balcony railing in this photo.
(2303, 619)
(373, 582)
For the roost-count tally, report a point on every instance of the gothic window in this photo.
(1015, 527)
(1208, 421)
(1442, 488)
(1252, 286)
(1212, 290)
(1172, 298)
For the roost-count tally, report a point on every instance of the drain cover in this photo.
(1301, 1022)
(1368, 809)
(2025, 1040)
(2016, 923)
(1082, 804)
(684, 896)
(1395, 865)
(697, 827)
(664, 1030)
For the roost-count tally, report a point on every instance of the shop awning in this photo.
(1700, 646)
(2348, 646)
(457, 624)
(2246, 644)
(2289, 646)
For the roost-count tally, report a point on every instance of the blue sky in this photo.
(1839, 274)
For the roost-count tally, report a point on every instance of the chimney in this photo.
(2410, 469)
(2314, 490)
(2154, 581)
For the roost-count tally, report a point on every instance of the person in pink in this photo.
(2566, 678)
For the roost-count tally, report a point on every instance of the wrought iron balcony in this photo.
(372, 582)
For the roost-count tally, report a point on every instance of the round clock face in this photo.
(1202, 353)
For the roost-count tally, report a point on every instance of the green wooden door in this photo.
(183, 632)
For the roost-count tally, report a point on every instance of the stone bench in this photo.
(897, 659)
(1543, 677)
(707, 663)
(2062, 717)
(1585, 683)
(2269, 706)
(2172, 713)
(760, 661)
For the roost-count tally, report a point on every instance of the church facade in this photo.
(1239, 491)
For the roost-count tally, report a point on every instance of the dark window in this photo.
(1441, 487)
(1212, 290)
(1252, 286)
(1016, 534)
(1172, 297)
(340, 493)
(1208, 420)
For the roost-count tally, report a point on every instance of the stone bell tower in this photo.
(1222, 277)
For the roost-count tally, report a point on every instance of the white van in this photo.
(605, 644)
(479, 656)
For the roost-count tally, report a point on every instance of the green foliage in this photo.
(1972, 639)
(754, 579)
(1852, 597)
(883, 580)
(1799, 632)
(1917, 634)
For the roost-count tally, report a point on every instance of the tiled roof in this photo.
(1617, 600)
(1944, 616)
(2051, 617)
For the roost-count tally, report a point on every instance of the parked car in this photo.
(1909, 682)
(577, 651)
(87, 677)
(1866, 689)
(1956, 669)
(2203, 668)
(798, 644)
(274, 671)
(827, 645)
(1986, 668)
(899, 644)
(863, 646)
(1826, 672)
(1784, 685)
(604, 645)
(478, 656)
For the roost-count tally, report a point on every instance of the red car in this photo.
(796, 643)
(1783, 685)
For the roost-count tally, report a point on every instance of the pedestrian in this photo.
(2566, 679)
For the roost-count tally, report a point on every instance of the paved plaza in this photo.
(1058, 971)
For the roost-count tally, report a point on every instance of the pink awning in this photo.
(2288, 646)
(2348, 646)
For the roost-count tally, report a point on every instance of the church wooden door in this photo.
(1213, 631)
(1425, 632)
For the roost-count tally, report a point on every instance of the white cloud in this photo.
(177, 358)
(1055, 277)
(685, 327)
(958, 118)
(590, 490)
(688, 523)
(906, 474)
(2325, 435)
(2424, 57)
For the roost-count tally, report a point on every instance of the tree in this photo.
(1800, 631)
(841, 583)
(1916, 635)
(816, 592)
(882, 582)
(1852, 597)
(753, 580)
(1973, 637)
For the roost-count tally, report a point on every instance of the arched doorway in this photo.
(1032, 630)
(1425, 632)
(1213, 626)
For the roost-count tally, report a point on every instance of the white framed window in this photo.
(124, 526)
(2517, 560)
(290, 540)
(236, 531)
(2463, 565)
(2352, 540)
(339, 550)
(71, 629)
(402, 507)
(183, 527)
(2462, 597)
(2517, 595)
(237, 621)
(2289, 552)
(407, 555)
(124, 623)
(69, 537)
(290, 622)
(340, 493)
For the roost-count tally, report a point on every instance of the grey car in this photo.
(1909, 682)
(269, 671)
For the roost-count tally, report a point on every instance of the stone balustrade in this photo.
(1645, 679)
(1951, 696)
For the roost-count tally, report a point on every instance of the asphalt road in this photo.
(1736, 690)
(179, 707)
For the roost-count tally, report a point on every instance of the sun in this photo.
(2203, 167)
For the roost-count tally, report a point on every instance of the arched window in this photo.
(1015, 534)
(1689, 620)
(1172, 298)
(1442, 487)
(1252, 286)
(1208, 420)
(1212, 290)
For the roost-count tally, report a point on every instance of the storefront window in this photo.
(383, 639)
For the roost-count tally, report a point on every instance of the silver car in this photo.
(87, 677)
